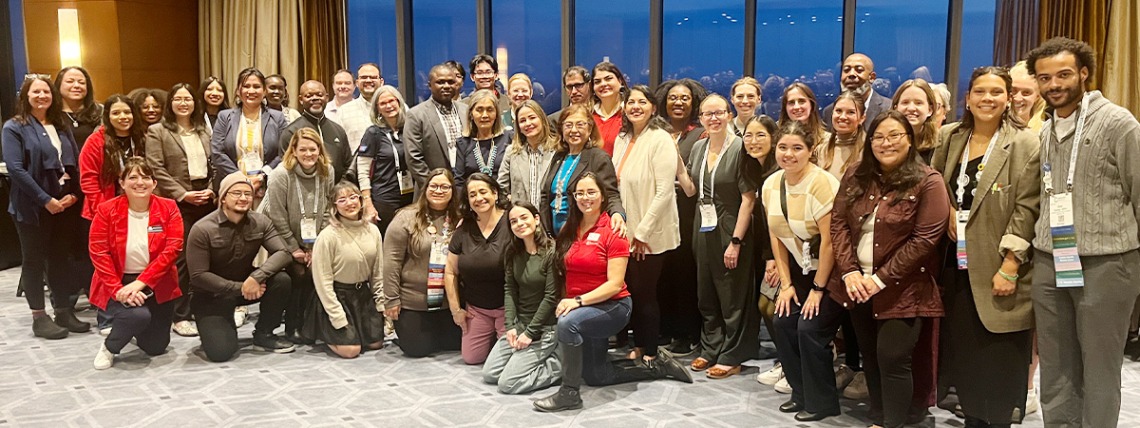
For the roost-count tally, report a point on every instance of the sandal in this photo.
(699, 364)
(719, 373)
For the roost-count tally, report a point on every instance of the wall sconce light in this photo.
(501, 58)
(69, 51)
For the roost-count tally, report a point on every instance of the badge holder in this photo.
(405, 183)
(963, 217)
(1066, 261)
(309, 230)
(436, 264)
(708, 216)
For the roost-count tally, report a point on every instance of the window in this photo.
(372, 37)
(798, 40)
(977, 44)
(615, 31)
(905, 39)
(444, 30)
(703, 41)
(527, 39)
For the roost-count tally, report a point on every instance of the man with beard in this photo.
(1086, 259)
(355, 116)
(432, 128)
(277, 97)
(312, 99)
(857, 74)
(219, 253)
(575, 80)
(343, 88)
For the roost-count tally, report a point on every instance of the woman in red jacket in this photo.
(107, 149)
(135, 239)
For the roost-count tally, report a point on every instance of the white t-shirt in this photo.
(53, 135)
(138, 249)
(195, 156)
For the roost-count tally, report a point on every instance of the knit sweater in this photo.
(285, 203)
(347, 252)
(1106, 185)
(405, 265)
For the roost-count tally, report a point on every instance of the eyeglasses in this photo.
(181, 100)
(571, 87)
(587, 194)
(682, 98)
(240, 195)
(367, 77)
(893, 137)
(719, 114)
(347, 199)
(576, 125)
(484, 73)
(439, 187)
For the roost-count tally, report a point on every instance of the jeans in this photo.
(589, 328)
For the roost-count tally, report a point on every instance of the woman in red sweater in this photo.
(135, 239)
(107, 149)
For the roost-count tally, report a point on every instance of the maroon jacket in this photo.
(908, 245)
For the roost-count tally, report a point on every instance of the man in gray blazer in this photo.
(432, 128)
(857, 74)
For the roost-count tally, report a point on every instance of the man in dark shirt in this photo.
(219, 253)
(857, 75)
(312, 99)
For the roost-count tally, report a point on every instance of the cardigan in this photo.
(646, 185)
(406, 267)
(35, 168)
(108, 246)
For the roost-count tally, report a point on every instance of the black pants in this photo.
(148, 324)
(190, 214)
(887, 346)
(300, 298)
(678, 289)
(386, 207)
(48, 247)
(423, 333)
(641, 277)
(804, 348)
(215, 316)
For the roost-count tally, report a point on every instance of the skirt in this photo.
(365, 323)
(989, 370)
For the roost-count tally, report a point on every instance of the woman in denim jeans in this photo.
(596, 304)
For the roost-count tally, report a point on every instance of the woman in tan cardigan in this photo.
(992, 165)
(645, 160)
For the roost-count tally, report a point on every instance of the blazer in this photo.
(514, 174)
(908, 250)
(1002, 215)
(108, 247)
(35, 168)
(646, 185)
(877, 105)
(593, 159)
(95, 191)
(425, 141)
(166, 155)
(223, 143)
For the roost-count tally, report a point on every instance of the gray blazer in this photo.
(425, 140)
(167, 157)
(515, 172)
(1002, 216)
(224, 140)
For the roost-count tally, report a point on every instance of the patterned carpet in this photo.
(52, 383)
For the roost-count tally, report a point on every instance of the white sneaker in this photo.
(240, 314)
(1031, 405)
(843, 376)
(857, 389)
(105, 331)
(782, 386)
(771, 376)
(104, 359)
(186, 328)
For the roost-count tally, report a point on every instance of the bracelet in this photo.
(1008, 277)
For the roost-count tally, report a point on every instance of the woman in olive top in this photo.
(529, 154)
(723, 244)
(578, 154)
(473, 277)
(646, 162)
(989, 313)
(484, 141)
(348, 275)
(525, 359)
(608, 86)
(381, 165)
(77, 92)
(415, 256)
(214, 96)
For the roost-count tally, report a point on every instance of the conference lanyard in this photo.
(1047, 166)
(963, 178)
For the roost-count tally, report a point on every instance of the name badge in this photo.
(154, 229)
(251, 163)
(308, 230)
(805, 257)
(963, 217)
(436, 264)
(708, 217)
(405, 183)
(593, 237)
(1066, 260)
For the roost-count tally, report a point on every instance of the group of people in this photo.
(533, 243)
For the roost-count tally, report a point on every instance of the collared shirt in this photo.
(608, 127)
(220, 253)
(332, 109)
(453, 127)
(355, 118)
(587, 260)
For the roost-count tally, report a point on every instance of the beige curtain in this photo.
(1015, 30)
(1085, 20)
(323, 39)
(265, 34)
(1120, 68)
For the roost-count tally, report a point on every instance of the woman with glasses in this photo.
(608, 86)
(745, 96)
(415, 258)
(760, 137)
(77, 91)
(348, 278)
(578, 153)
(178, 150)
(484, 141)
(43, 166)
(526, 160)
(886, 228)
(381, 164)
(723, 244)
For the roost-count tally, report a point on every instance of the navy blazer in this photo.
(36, 168)
(223, 144)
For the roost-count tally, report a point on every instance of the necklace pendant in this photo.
(74, 123)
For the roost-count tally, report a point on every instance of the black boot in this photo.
(65, 317)
(43, 326)
(669, 368)
(567, 397)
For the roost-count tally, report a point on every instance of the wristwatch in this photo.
(579, 300)
(737, 241)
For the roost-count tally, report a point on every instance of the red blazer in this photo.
(95, 191)
(108, 247)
